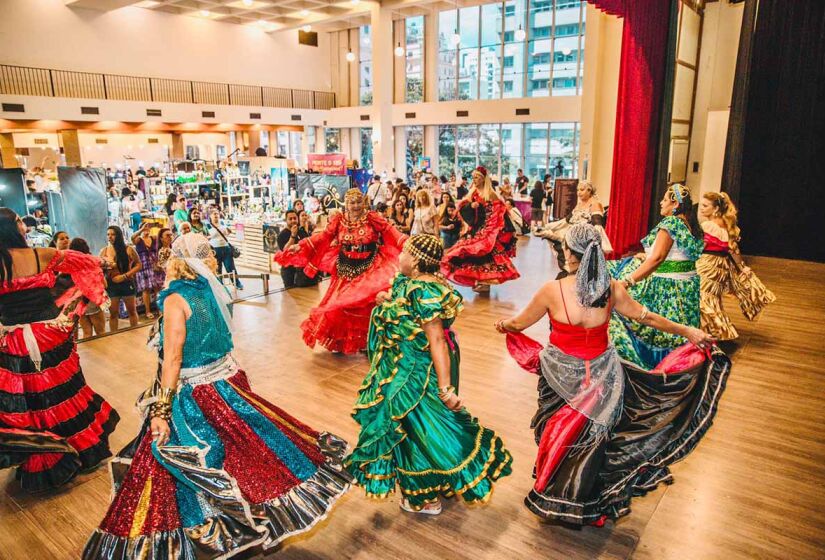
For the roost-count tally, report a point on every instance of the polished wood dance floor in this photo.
(752, 489)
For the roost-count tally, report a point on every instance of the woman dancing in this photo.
(52, 425)
(415, 432)
(360, 250)
(480, 258)
(216, 469)
(722, 270)
(588, 209)
(606, 433)
(149, 279)
(663, 279)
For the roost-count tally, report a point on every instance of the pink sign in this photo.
(327, 164)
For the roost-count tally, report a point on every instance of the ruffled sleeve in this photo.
(679, 232)
(433, 300)
(393, 240)
(316, 253)
(87, 276)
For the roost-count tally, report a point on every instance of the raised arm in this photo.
(530, 315)
(175, 313)
(625, 305)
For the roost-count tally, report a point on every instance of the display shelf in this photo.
(252, 248)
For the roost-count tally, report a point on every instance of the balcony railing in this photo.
(22, 80)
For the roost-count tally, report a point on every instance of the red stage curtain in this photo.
(641, 83)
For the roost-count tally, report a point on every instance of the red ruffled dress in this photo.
(362, 258)
(51, 423)
(482, 256)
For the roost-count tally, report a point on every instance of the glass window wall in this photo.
(537, 148)
(365, 66)
(414, 32)
(366, 148)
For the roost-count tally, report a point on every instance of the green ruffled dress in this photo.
(671, 291)
(408, 436)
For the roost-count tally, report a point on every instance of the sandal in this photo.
(428, 509)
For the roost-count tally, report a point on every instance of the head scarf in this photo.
(592, 278)
(193, 249)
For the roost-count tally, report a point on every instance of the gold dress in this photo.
(719, 274)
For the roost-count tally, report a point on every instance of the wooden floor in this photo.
(754, 488)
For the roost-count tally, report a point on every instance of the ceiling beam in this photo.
(100, 5)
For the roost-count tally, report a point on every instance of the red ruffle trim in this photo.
(50, 417)
(91, 435)
(19, 383)
(48, 338)
(501, 270)
(337, 331)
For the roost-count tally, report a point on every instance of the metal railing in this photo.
(22, 80)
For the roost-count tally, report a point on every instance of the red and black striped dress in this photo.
(52, 425)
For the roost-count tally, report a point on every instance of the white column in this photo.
(399, 62)
(431, 57)
(401, 152)
(382, 87)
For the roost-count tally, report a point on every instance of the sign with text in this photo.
(424, 163)
(327, 164)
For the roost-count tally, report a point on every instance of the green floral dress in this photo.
(671, 291)
(408, 436)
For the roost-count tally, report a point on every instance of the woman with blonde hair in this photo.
(216, 469)
(722, 270)
(480, 258)
(424, 215)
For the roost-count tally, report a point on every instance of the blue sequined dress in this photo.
(237, 472)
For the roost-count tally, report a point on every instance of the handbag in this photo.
(236, 253)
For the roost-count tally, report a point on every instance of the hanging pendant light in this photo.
(350, 55)
(399, 50)
(455, 39)
(520, 34)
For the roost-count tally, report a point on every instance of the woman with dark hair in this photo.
(606, 431)
(480, 258)
(400, 215)
(663, 279)
(52, 425)
(60, 241)
(93, 320)
(149, 279)
(122, 263)
(196, 222)
(170, 206)
(415, 432)
(449, 224)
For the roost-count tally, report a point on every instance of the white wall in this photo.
(140, 42)
(113, 153)
(714, 86)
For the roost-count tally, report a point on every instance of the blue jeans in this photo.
(225, 260)
(449, 239)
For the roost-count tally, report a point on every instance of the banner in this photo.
(328, 189)
(327, 164)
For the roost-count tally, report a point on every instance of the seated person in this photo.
(293, 276)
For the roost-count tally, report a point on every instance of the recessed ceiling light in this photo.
(147, 4)
(355, 2)
(304, 13)
(248, 3)
(307, 28)
(204, 13)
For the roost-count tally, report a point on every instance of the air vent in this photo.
(365, 117)
(296, 117)
(208, 114)
(153, 141)
(14, 108)
(462, 113)
(101, 141)
(21, 152)
(153, 113)
(409, 115)
(309, 38)
(522, 111)
(325, 123)
(41, 140)
(90, 110)
(255, 116)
